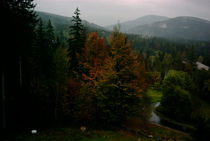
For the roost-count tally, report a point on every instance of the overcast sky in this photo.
(106, 12)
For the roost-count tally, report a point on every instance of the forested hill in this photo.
(165, 28)
(184, 28)
(62, 23)
(148, 19)
(187, 28)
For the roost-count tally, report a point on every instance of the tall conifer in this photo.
(76, 41)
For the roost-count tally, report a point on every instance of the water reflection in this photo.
(154, 117)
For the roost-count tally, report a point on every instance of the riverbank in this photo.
(184, 126)
(162, 120)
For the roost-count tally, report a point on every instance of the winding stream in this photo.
(154, 117)
(158, 120)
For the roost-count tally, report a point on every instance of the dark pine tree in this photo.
(44, 48)
(76, 41)
(50, 48)
(44, 73)
(50, 35)
(39, 50)
(15, 52)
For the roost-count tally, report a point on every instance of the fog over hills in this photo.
(183, 27)
(149, 19)
(61, 24)
(58, 20)
(187, 28)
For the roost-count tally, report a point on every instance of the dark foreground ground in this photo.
(150, 132)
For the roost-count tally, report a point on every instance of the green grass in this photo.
(154, 95)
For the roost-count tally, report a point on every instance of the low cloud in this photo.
(106, 12)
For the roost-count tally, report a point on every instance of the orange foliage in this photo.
(128, 63)
(94, 54)
(73, 87)
(109, 75)
(105, 64)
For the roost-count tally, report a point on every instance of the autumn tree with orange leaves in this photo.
(122, 83)
(113, 80)
(79, 104)
(94, 55)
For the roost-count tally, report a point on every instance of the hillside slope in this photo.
(188, 28)
(149, 19)
(62, 23)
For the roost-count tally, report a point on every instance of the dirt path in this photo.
(137, 126)
(168, 128)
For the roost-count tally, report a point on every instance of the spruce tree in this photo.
(45, 72)
(39, 50)
(15, 53)
(51, 45)
(45, 46)
(76, 41)
(50, 36)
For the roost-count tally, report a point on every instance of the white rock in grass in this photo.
(33, 131)
(150, 136)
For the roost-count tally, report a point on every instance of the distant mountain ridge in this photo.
(58, 20)
(183, 27)
(148, 19)
(187, 28)
(61, 25)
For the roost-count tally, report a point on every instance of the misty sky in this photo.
(106, 12)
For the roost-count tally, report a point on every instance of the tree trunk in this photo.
(3, 102)
(20, 71)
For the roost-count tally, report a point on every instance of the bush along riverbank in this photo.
(175, 124)
(159, 118)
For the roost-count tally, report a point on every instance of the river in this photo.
(158, 120)
(154, 117)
